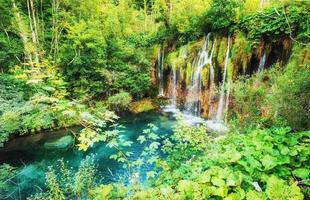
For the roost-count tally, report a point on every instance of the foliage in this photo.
(222, 16)
(249, 100)
(272, 25)
(187, 17)
(39, 113)
(119, 102)
(105, 52)
(7, 173)
(238, 166)
(69, 183)
(97, 128)
(274, 97)
(9, 48)
(290, 96)
(257, 165)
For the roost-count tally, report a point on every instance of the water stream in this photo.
(262, 63)
(192, 106)
(160, 71)
(172, 106)
(219, 114)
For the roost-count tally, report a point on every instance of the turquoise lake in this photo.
(32, 163)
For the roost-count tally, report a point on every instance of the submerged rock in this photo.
(60, 143)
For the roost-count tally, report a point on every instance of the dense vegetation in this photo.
(68, 63)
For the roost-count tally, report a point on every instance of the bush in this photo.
(277, 96)
(291, 93)
(119, 102)
(249, 96)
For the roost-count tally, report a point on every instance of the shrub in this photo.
(291, 93)
(119, 102)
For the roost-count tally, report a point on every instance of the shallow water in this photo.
(33, 163)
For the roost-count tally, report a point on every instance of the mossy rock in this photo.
(60, 143)
(143, 105)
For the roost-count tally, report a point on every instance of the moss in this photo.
(305, 55)
(188, 73)
(143, 105)
(155, 50)
(205, 74)
(172, 58)
(193, 48)
(221, 53)
(241, 52)
(230, 70)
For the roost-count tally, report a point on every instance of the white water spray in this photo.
(192, 105)
(173, 93)
(262, 63)
(160, 72)
(227, 100)
(212, 84)
(219, 114)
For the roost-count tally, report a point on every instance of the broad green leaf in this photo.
(302, 173)
(218, 182)
(269, 162)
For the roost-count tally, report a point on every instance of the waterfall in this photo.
(222, 94)
(192, 105)
(212, 84)
(227, 99)
(262, 63)
(160, 72)
(173, 93)
(172, 107)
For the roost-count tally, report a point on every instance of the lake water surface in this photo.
(32, 163)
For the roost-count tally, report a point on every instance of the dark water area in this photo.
(33, 158)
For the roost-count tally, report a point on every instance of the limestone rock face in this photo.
(60, 143)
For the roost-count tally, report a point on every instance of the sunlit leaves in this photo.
(277, 189)
(150, 174)
(302, 173)
(141, 139)
(87, 138)
(269, 162)
(6, 173)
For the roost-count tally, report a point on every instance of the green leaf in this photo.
(205, 177)
(154, 145)
(150, 174)
(302, 173)
(284, 150)
(235, 156)
(218, 182)
(141, 139)
(269, 162)
(105, 191)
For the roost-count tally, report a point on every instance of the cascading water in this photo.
(173, 94)
(172, 107)
(262, 63)
(160, 72)
(192, 106)
(212, 84)
(227, 99)
(219, 114)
